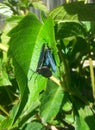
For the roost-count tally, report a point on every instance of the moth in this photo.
(46, 62)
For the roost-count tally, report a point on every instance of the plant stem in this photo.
(55, 80)
(4, 111)
(92, 77)
(3, 47)
(66, 72)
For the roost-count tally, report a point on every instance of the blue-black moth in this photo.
(45, 62)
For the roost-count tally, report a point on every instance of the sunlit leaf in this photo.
(4, 81)
(25, 44)
(21, 48)
(80, 124)
(84, 118)
(51, 102)
(87, 114)
(5, 10)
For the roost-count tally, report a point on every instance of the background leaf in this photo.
(40, 5)
(5, 10)
(83, 116)
(34, 126)
(68, 29)
(75, 11)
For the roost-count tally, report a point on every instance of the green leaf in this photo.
(36, 85)
(87, 114)
(40, 5)
(1, 119)
(34, 126)
(67, 106)
(22, 43)
(66, 113)
(5, 10)
(5, 123)
(25, 44)
(80, 124)
(10, 23)
(4, 80)
(84, 116)
(8, 121)
(68, 29)
(75, 11)
(38, 82)
(51, 102)
(79, 48)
